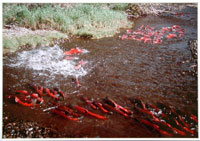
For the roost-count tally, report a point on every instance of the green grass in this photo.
(119, 6)
(12, 43)
(87, 20)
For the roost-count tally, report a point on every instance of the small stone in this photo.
(9, 127)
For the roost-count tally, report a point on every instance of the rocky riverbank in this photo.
(27, 129)
(193, 46)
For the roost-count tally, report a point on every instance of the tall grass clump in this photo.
(12, 43)
(86, 20)
(119, 6)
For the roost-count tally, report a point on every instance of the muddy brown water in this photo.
(119, 69)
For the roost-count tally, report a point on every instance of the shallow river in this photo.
(114, 68)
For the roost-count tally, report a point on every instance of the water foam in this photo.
(45, 61)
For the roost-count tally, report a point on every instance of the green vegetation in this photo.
(119, 6)
(84, 20)
(11, 43)
(92, 20)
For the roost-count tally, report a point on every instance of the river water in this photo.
(114, 68)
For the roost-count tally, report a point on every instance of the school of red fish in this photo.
(148, 34)
(165, 120)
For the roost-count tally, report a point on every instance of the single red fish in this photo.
(112, 102)
(193, 117)
(34, 95)
(87, 112)
(68, 110)
(62, 94)
(73, 51)
(181, 30)
(171, 36)
(143, 105)
(132, 36)
(177, 123)
(124, 37)
(157, 41)
(145, 39)
(173, 110)
(150, 34)
(164, 29)
(175, 26)
(22, 92)
(51, 94)
(115, 109)
(89, 102)
(40, 91)
(181, 35)
(149, 124)
(169, 29)
(101, 107)
(164, 132)
(147, 112)
(57, 91)
(77, 82)
(141, 27)
(164, 123)
(128, 31)
(189, 130)
(63, 115)
(17, 100)
(176, 131)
